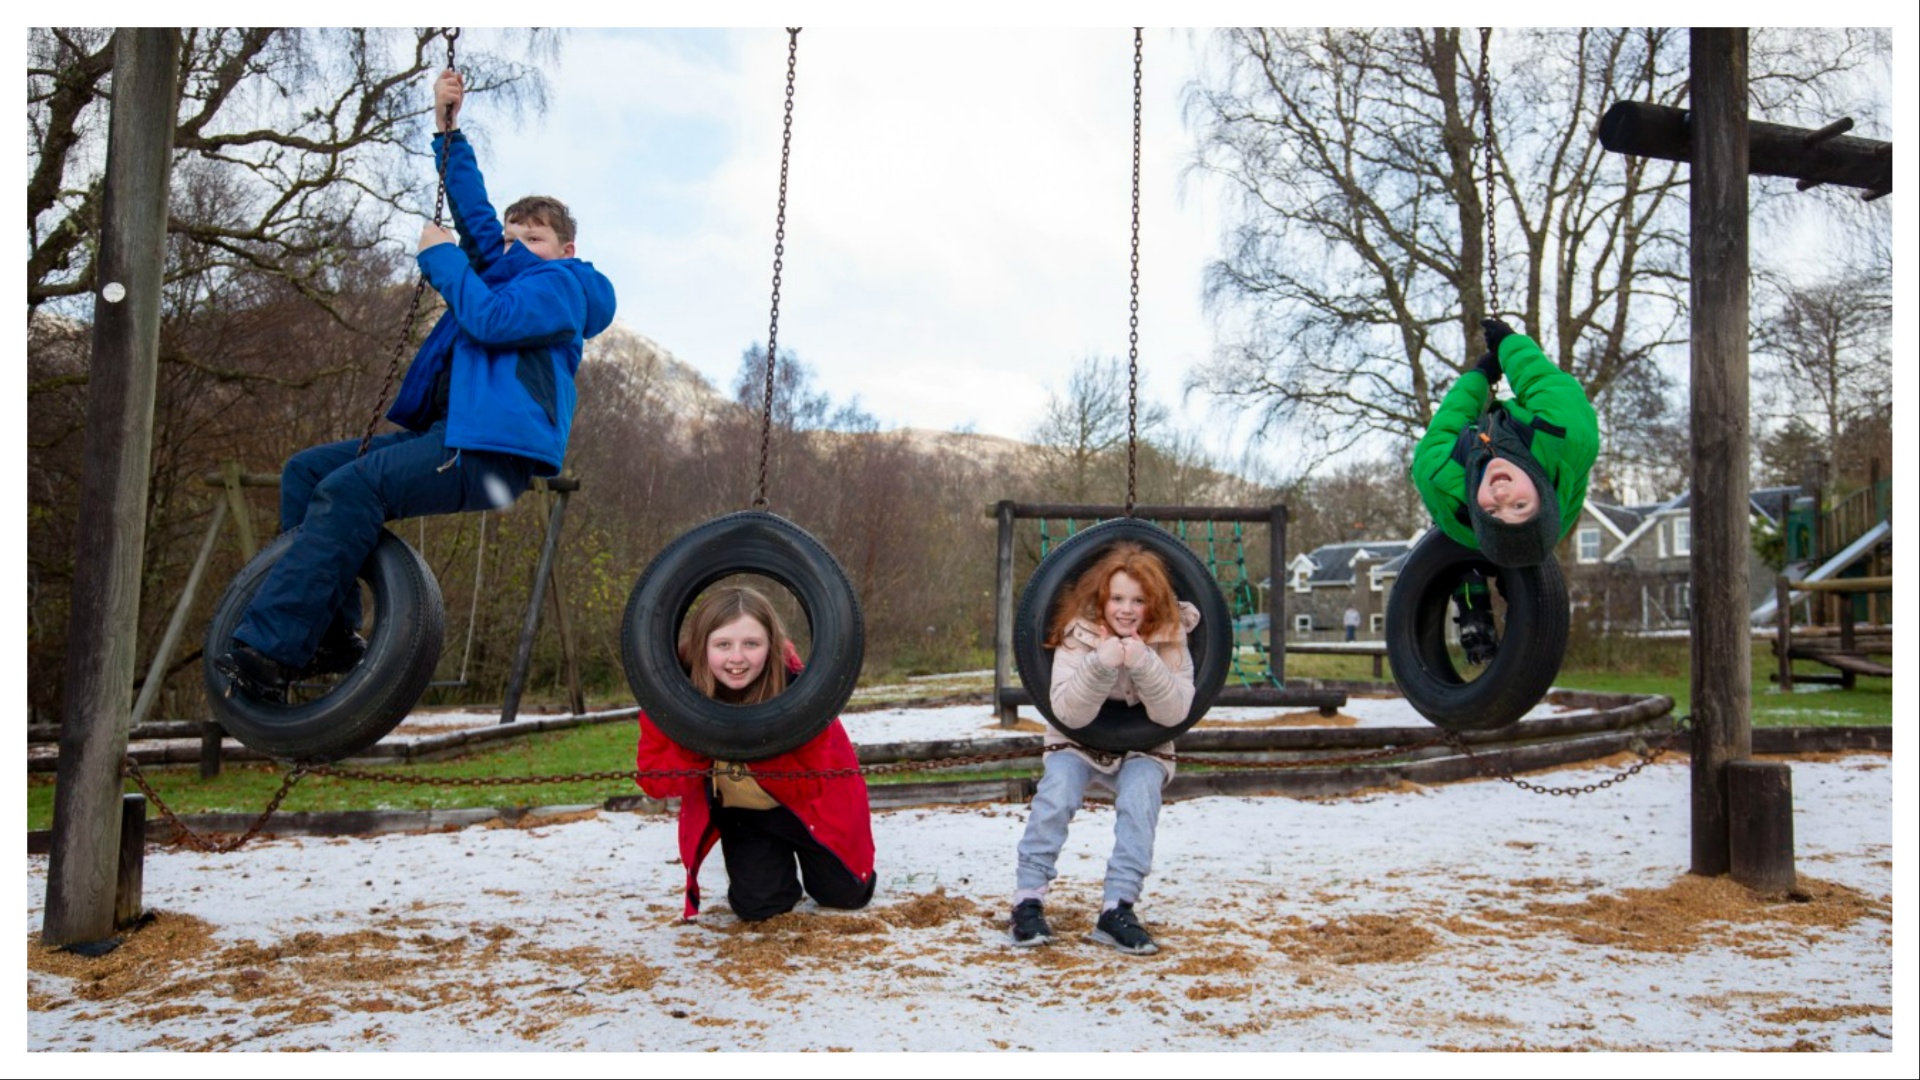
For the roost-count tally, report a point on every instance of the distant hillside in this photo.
(649, 368)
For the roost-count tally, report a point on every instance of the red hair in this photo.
(1087, 597)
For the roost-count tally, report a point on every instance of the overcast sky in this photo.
(958, 205)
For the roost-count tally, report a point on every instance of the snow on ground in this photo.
(1469, 916)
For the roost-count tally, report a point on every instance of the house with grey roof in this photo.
(1323, 583)
(1631, 567)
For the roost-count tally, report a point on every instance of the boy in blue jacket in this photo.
(487, 405)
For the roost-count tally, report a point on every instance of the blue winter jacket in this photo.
(512, 333)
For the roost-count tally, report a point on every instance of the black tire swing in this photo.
(1528, 642)
(402, 650)
(1455, 693)
(1118, 727)
(749, 542)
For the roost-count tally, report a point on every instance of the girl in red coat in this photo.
(778, 836)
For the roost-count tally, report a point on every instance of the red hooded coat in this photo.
(834, 810)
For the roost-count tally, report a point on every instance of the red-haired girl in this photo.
(1118, 633)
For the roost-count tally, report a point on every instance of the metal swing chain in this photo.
(1485, 81)
(419, 286)
(779, 252)
(1133, 302)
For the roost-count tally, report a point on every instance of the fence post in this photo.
(128, 903)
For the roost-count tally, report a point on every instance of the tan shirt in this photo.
(741, 791)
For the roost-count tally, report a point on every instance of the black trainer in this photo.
(1478, 638)
(1120, 929)
(1029, 927)
(253, 673)
(337, 654)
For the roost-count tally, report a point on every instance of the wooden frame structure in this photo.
(1724, 147)
(1008, 695)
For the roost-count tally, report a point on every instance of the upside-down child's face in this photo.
(1126, 605)
(1507, 492)
(737, 652)
(539, 238)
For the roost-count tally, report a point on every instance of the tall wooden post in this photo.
(1003, 612)
(1721, 644)
(111, 532)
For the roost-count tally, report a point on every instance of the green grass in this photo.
(1633, 668)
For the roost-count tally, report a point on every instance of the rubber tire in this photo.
(750, 542)
(1533, 639)
(369, 701)
(1120, 728)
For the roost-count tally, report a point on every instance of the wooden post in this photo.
(128, 904)
(1003, 612)
(1720, 645)
(1277, 594)
(576, 697)
(156, 671)
(111, 529)
(1760, 795)
(523, 653)
(1783, 631)
(231, 480)
(212, 735)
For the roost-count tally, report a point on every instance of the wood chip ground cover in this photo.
(1462, 917)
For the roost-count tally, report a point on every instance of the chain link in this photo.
(1681, 726)
(1486, 115)
(419, 286)
(737, 770)
(779, 254)
(184, 834)
(1133, 301)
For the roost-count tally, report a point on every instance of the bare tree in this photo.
(1082, 436)
(1356, 272)
(1827, 351)
(292, 147)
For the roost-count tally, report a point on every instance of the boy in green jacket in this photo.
(1508, 478)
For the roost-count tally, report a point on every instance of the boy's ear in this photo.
(567, 251)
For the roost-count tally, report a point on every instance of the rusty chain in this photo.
(779, 256)
(1133, 302)
(1647, 756)
(739, 771)
(419, 286)
(184, 834)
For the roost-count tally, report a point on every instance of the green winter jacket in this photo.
(1548, 419)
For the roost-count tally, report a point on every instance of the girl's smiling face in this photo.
(737, 652)
(1126, 604)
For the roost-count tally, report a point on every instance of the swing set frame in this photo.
(1009, 694)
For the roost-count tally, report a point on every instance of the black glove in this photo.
(1489, 366)
(1496, 332)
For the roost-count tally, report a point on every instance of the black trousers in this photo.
(769, 853)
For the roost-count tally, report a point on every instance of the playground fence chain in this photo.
(1682, 726)
(738, 771)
